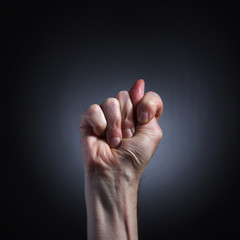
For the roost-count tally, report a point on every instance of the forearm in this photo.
(111, 208)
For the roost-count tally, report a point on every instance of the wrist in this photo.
(111, 206)
(122, 171)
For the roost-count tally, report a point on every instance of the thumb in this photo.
(147, 138)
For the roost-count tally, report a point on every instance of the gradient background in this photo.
(62, 58)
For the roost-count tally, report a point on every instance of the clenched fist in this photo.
(123, 133)
(118, 138)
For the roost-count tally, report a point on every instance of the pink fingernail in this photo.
(115, 142)
(143, 117)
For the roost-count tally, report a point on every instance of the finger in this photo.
(149, 107)
(94, 117)
(126, 107)
(111, 109)
(137, 91)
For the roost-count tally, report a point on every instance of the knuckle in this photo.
(123, 94)
(111, 101)
(93, 108)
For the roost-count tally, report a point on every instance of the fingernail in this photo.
(127, 133)
(115, 142)
(143, 117)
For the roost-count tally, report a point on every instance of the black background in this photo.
(62, 57)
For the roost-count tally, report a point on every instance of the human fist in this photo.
(121, 135)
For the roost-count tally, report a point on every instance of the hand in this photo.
(121, 135)
(118, 139)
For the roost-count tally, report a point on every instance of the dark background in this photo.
(63, 57)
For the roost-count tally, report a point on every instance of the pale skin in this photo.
(118, 139)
